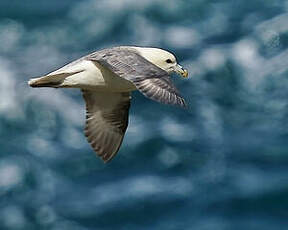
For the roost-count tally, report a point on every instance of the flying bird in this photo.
(106, 78)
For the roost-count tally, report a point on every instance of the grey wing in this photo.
(149, 79)
(106, 121)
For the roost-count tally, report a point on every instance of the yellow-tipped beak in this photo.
(185, 73)
(181, 71)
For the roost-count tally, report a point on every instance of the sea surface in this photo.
(222, 164)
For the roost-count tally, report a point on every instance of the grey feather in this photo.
(106, 121)
(148, 78)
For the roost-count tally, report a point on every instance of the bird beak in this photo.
(181, 71)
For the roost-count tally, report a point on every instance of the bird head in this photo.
(163, 59)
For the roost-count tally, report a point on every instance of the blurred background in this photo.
(221, 165)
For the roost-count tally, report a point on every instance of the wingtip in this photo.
(106, 160)
(180, 102)
(184, 105)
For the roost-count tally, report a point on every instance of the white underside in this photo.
(90, 75)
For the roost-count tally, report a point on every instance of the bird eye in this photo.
(169, 61)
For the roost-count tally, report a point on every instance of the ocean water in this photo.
(220, 165)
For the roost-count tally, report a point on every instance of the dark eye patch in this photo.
(168, 61)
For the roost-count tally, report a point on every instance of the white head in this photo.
(163, 59)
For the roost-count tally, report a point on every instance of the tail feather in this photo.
(38, 82)
(49, 80)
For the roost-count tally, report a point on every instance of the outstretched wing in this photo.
(106, 121)
(148, 78)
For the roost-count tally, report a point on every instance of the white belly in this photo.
(90, 75)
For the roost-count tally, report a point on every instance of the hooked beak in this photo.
(181, 71)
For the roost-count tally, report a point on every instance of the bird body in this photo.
(106, 78)
(84, 74)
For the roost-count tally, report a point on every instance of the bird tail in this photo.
(54, 81)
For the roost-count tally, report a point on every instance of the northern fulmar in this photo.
(106, 78)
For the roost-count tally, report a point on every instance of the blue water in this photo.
(220, 165)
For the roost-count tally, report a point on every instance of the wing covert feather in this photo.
(148, 78)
